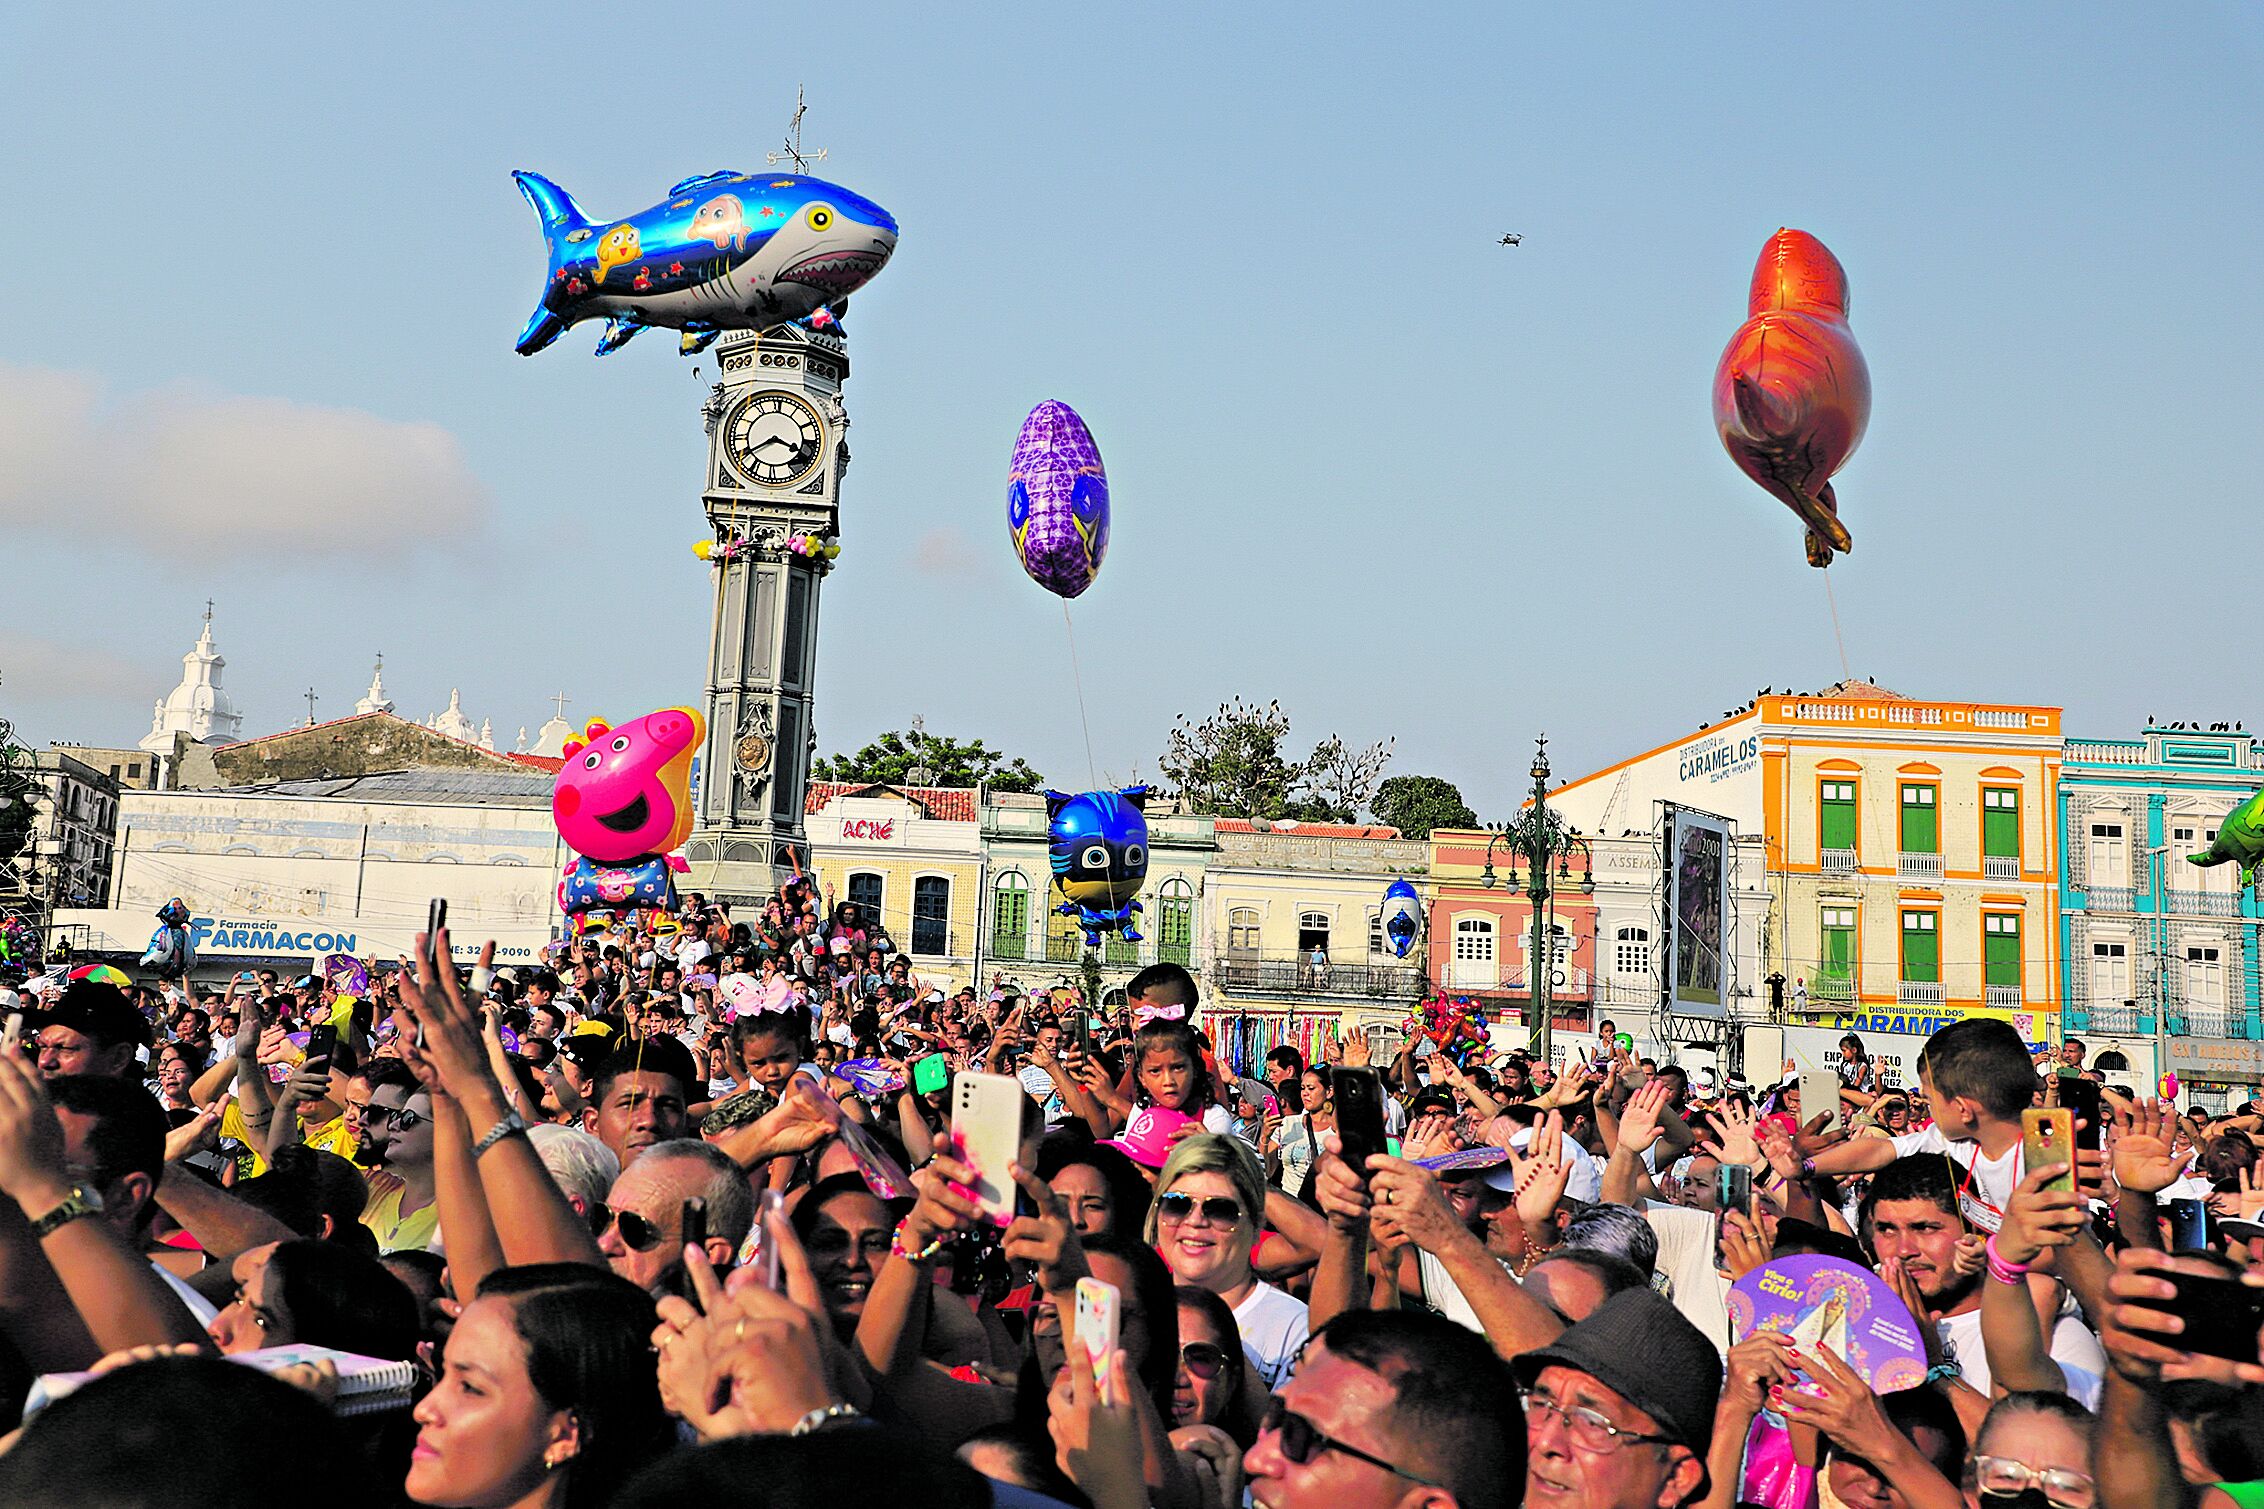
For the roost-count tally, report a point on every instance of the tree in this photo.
(1417, 804)
(1339, 782)
(944, 761)
(1232, 764)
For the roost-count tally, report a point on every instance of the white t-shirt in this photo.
(1686, 1257)
(1444, 1295)
(2083, 1362)
(1041, 1088)
(1273, 1326)
(1986, 1184)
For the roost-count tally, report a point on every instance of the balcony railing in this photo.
(2000, 867)
(2110, 898)
(2205, 903)
(1919, 992)
(2195, 1019)
(1292, 974)
(1840, 862)
(2110, 1018)
(1915, 866)
(2003, 997)
(1835, 989)
(1008, 947)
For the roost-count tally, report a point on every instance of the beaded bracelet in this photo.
(2002, 1269)
(896, 1247)
(822, 1417)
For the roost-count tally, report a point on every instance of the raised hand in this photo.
(1758, 1362)
(1342, 1194)
(1746, 1244)
(1409, 1206)
(2142, 1160)
(1639, 1123)
(1840, 1404)
(2037, 1219)
(1049, 1241)
(1736, 1144)
(2141, 1330)
(1542, 1171)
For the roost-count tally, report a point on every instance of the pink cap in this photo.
(1148, 1136)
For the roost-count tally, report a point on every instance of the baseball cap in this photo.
(1147, 1137)
(99, 1011)
(1641, 1348)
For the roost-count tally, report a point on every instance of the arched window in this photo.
(1010, 915)
(1175, 922)
(1631, 952)
(931, 915)
(865, 893)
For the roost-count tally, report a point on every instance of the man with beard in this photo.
(397, 1147)
(1911, 1219)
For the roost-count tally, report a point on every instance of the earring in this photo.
(557, 1457)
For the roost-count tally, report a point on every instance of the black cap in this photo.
(98, 1011)
(1642, 1348)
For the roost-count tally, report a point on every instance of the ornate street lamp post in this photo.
(1546, 843)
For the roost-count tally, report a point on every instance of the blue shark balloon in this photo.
(1099, 854)
(1402, 918)
(727, 251)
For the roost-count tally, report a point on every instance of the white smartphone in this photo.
(986, 1124)
(13, 1035)
(759, 1251)
(1097, 1326)
(1819, 1093)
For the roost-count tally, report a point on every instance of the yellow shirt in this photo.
(396, 1232)
(330, 1137)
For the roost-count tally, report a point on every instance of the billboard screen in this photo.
(1698, 914)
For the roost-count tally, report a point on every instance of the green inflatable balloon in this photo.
(2240, 841)
(1624, 1040)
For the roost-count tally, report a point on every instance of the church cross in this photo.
(310, 706)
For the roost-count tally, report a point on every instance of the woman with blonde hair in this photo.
(1210, 1198)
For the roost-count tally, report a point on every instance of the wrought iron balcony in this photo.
(1010, 946)
(2110, 898)
(1919, 992)
(1836, 989)
(2205, 903)
(2000, 867)
(1253, 973)
(1915, 866)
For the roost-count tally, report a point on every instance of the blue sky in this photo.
(1364, 460)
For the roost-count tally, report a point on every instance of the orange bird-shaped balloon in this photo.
(1792, 395)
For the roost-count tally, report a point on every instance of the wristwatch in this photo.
(81, 1201)
(512, 1122)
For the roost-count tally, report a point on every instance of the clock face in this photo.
(774, 439)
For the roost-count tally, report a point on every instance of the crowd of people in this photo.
(679, 1217)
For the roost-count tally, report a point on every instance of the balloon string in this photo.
(1832, 598)
(1078, 672)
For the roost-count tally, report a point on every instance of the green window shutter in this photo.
(1117, 950)
(1839, 952)
(2000, 944)
(1176, 938)
(2000, 824)
(1921, 947)
(1918, 828)
(1010, 922)
(1839, 814)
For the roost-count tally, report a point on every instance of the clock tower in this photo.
(776, 452)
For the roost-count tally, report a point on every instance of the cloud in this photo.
(183, 473)
(947, 552)
(36, 667)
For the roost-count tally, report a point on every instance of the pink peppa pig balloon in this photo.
(626, 792)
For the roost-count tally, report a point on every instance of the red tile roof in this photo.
(546, 763)
(949, 804)
(1289, 828)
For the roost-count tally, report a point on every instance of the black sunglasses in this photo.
(1221, 1210)
(401, 1117)
(1302, 1440)
(1204, 1359)
(637, 1233)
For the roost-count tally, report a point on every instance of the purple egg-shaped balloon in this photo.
(1057, 500)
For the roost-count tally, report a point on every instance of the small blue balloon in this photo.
(1402, 918)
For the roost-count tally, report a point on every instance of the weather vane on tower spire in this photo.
(794, 153)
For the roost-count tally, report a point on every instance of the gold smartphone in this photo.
(2047, 1136)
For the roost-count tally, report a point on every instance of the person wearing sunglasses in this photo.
(397, 1147)
(1391, 1407)
(643, 1237)
(1619, 1409)
(1205, 1222)
(1210, 1384)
